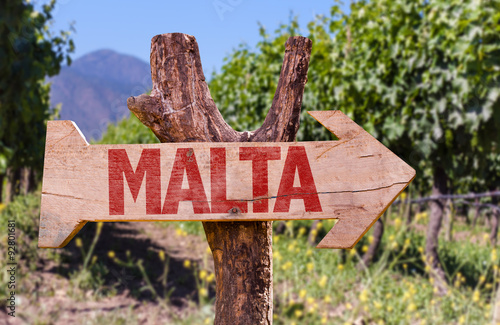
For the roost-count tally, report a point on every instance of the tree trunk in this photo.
(2, 177)
(450, 215)
(14, 183)
(378, 232)
(476, 212)
(495, 215)
(180, 109)
(440, 187)
(313, 233)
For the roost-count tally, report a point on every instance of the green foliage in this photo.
(28, 54)
(25, 211)
(326, 287)
(423, 77)
(128, 131)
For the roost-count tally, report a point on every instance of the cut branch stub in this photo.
(181, 109)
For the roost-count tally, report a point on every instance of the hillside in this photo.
(93, 91)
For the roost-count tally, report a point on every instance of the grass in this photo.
(311, 286)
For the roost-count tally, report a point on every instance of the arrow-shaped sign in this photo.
(353, 180)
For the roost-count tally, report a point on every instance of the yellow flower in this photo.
(2, 206)
(340, 267)
(377, 305)
(364, 248)
(352, 251)
(482, 278)
(203, 274)
(302, 231)
(412, 307)
(211, 278)
(276, 239)
(493, 255)
(208, 321)
(161, 255)
(310, 300)
(208, 250)
(397, 222)
(327, 299)
(348, 306)
(363, 296)
(291, 247)
(388, 296)
(322, 282)
(94, 259)
(324, 320)
(389, 309)
(187, 264)
(403, 196)
(298, 313)
(111, 254)
(286, 266)
(302, 293)
(309, 252)
(78, 242)
(461, 320)
(475, 296)
(203, 292)
(370, 239)
(310, 267)
(277, 255)
(319, 225)
(178, 231)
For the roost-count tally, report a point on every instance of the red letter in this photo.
(185, 160)
(259, 158)
(297, 160)
(118, 164)
(220, 204)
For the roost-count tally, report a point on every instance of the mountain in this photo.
(93, 91)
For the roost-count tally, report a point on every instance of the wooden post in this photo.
(180, 109)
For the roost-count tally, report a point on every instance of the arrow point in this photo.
(338, 123)
(56, 232)
(64, 133)
(345, 234)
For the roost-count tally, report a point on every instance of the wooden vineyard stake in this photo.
(235, 182)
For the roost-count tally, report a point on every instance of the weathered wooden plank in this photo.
(353, 179)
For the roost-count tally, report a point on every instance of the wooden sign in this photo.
(353, 180)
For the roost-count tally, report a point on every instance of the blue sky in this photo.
(219, 25)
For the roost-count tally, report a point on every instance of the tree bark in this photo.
(180, 109)
(378, 232)
(440, 187)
